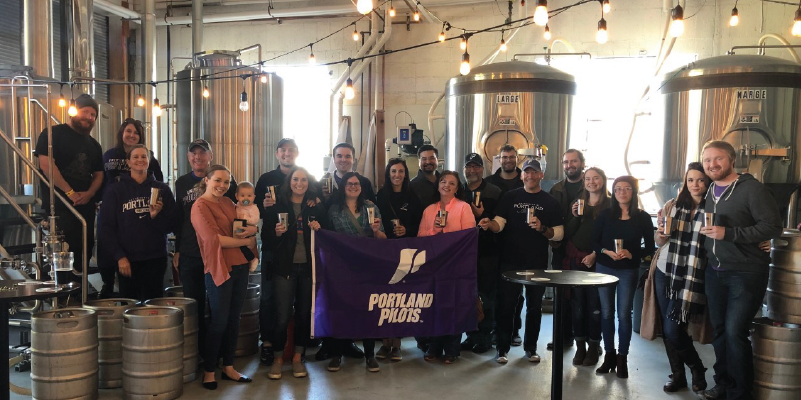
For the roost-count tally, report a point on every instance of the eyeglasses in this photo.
(353, 184)
(623, 189)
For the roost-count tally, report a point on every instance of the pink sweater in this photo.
(211, 219)
(460, 217)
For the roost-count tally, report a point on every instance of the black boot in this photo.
(678, 379)
(690, 357)
(609, 364)
(622, 366)
(581, 352)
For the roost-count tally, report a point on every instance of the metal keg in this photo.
(784, 285)
(777, 360)
(152, 353)
(64, 354)
(248, 341)
(190, 331)
(109, 337)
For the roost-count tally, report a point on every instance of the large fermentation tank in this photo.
(519, 103)
(242, 141)
(752, 102)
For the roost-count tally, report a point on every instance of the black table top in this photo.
(559, 278)
(13, 291)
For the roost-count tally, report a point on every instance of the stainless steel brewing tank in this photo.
(752, 102)
(243, 141)
(521, 103)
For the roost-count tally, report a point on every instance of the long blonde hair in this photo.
(209, 172)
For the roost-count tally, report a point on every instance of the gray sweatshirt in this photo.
(748, 211)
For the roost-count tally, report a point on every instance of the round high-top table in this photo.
(559, 280)
(14, 292)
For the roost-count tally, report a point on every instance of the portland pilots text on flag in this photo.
(372, 288)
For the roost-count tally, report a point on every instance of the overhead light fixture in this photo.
(463, 43)
(156, 108)
(464, 68)
(140, 100)
(541, 13)
(349, 92)
(677, 23)
(364, 6)
(735, 16)
(547, 33)
(263, 78)
(244, 106)
(797, 24)
(312, 59)
(62, 102)
(355, 33)
(416, 15)
(606, 6)
(391, 10)
(503, 47)
(206, 92)
(72, 111)
(441, 36)
(601, 36)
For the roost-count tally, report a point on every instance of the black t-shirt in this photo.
(185, 195)
(573, 189)
(521, 245)
(77, 157)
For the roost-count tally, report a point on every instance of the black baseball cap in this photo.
(202, 143)
(288, 141)
(473, 158)
(532, 163)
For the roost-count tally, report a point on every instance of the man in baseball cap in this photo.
(483, 198)
(527, 218)
(201, 143)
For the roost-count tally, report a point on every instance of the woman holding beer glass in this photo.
(449, 213)
(617, 235)
(584, 301)
(403, 211)
(351, 214)
(289, 226)
(678, 277)
(226, 271)
(135, 218)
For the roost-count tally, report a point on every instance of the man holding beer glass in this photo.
(740, 213)
(528, 218)
(344, 157)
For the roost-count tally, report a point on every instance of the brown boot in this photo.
(592, 353)
(622, 366)
(678, 379)
(609, 364)
(581, 352)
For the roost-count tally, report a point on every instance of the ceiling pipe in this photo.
(37, 36)
(197, 26)
(120, 11)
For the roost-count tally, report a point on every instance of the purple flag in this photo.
(373, 288)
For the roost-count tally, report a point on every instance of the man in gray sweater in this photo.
(744, 213)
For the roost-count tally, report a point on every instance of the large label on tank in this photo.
(752, 94)
(507, 98)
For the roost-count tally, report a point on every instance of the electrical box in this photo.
(404, 135)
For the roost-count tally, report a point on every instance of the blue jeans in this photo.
(288, 292)
(674, 332)
(625, 288)
(266, 309)
(734, 298)
(193, 280)
(226, 302)
(585, 308)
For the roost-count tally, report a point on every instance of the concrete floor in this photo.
(472, 377)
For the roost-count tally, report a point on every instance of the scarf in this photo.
(684, 271)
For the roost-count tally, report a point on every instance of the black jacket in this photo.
(283, 247)
(406, 207)
(504, 184)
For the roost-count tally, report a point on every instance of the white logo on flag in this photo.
(410, 262)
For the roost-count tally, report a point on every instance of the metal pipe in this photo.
(762, 48)
(564, 42)
(16, 207)
(197, 26)
(548, 54)
(781, 40)
(111, 8)
(52, 117)
(149, 51)
(83, 42)
(250, 48)
(37, 33)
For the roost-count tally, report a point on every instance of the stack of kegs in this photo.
(189, 306)
(776, 340)
(109, 337)
(248, 341)
(153, 353)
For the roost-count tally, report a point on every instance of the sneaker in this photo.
(501, 357)
(372, 365)
(383, 352)
(275, 371)
(395, 354)
(532, 356)
(450, 359)
(432, 353)
(267, 355)
(299, 369)
(516, 339)
(334, 364)
(716, 393)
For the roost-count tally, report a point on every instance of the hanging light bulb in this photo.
(364, 6)
(677, 25)
(797, 24)
(72, 111)
(312, 60)
(601, 36)
(463, 43)
(349, 92)
(541, 13)
(416, 15)
(504, 47)
(206, 92)
(263, 78)
(606, 6)
(464, 68)
(62, 102)
(355, 34)
(140, 100)
(156, 108)
(547, 33)
(391, 10)
(735, 17)
(441, 36)
(243, 101)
